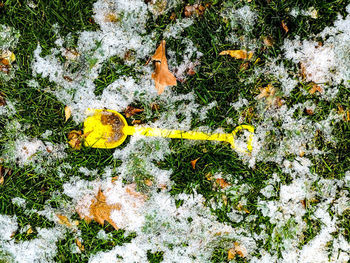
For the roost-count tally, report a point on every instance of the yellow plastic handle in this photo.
(191, 135)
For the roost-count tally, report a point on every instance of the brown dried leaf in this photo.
(67, 113)
(161, 75)
(2, 179)
(100, 211)
(309, 111)
(268, 41)
(131, 111)
(315, 88)
(75, 139)
(268, 91)
(79, 244)
(111, 18)
(240, 250)
(2, 100)
(238, 54)
(63, 220)
(193, 163)
(222, 183)
(284, 26)
(195, 9)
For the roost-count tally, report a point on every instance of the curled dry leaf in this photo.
(237, 249)
(271, 99)
(238, 54)
(161, 75)
(193, 163)
(222, 183)
(315, 88)
(6, 60)
(284, 26)
(79, 244)
(29, 231)
(75, 139)
(67, 112)
(131, 111)
(2, 100)
(268, 41)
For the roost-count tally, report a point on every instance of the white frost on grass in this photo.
(327, 62)
(8, 226)
(43, 247)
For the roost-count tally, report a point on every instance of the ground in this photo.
(148, 200)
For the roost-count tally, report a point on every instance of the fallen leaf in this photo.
(3, 173)
(315, 88)
(240, 207)
(268, 91)
(236, 250)
(6, 60)
(231, 253)
(222, 183)
(131, 111)
(193, 163)
(2, 100)
(240, 250)
(111, 18)
(195, 9)
(173, 16)
(29, 231)
(268, 41)
(75, 139)
(209, 176)
(309, 111)
(100, 211)
(63, 220)
(161, 75)
(67, 112)
(284, 26)
(79, 244)
(238, 54)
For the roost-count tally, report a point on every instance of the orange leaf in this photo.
(131, 111)
(222, 183)
(161, 75)
(100, 211)
(284, 26)
(193, 163)
(238, 54)
(315, 88)
(231, 254)
(80, 246)
(63, 220)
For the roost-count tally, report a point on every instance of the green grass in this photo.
(219, 78)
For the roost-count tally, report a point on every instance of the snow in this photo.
(284, 137)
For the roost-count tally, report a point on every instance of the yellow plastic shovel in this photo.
(108, 129)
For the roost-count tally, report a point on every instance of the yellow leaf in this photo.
(161, 75)
(238, 54)
(63, 220)
(237, 250)
(29, 231)
(79, 244)
(231, 254)
(67, 112)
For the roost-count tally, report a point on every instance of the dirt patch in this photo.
(112, 119)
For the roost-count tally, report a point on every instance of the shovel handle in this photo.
(191, 135)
